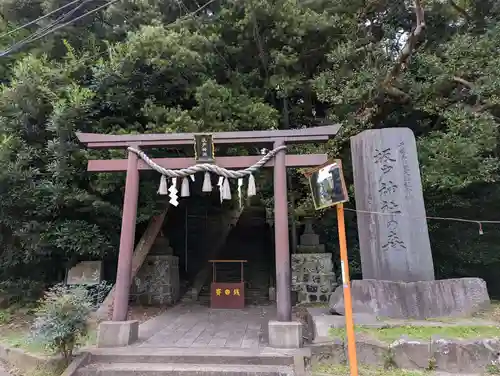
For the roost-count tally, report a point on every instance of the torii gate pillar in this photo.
(282, 246)
(127, 240)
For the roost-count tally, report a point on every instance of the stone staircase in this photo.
(192, 361)
(216, 236)
(250, 240)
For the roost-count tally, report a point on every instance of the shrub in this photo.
(20, 292)
(5, 317)
(62, 318)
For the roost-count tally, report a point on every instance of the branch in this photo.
(402, 60)
(464, 82)
(479, 107)
(460, 10)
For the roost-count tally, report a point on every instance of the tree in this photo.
(165, 66)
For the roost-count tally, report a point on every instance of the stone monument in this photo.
(86, 273)
(396, 259)
(157, 282)
(393, 240)
(312, 270)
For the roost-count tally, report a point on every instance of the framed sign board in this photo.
(204, 150)
(327, 185)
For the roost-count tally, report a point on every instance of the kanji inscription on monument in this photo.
(392, 226)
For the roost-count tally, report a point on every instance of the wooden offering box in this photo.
(227, 295)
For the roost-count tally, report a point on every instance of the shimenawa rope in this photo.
(185, 172)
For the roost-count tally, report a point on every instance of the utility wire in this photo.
(9, 50)
(414, 217)
(16, 47)
(37, 33)
(479, 222)
(183, 5)
(38, 19)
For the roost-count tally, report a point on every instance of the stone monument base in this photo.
(414, 300)
(117, 333)
(285, 335)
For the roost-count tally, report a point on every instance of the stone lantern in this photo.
(313, 278)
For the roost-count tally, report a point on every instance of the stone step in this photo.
(263, 357)
(166, 369)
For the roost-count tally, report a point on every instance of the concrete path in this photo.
(195, 326)
(3, 370)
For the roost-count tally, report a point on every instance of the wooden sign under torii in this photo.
(257, 139)
(204, 148)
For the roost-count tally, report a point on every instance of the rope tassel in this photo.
(221, 189)
(185, 187)
(240, 198)
(226, 190)
(207, 183)
(251, 190)
(163, 189)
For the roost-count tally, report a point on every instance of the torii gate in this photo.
(132, 165)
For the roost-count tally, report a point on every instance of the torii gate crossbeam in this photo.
(132, 165)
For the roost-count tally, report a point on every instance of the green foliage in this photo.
(62, 318)
(152, 66)
(20, 292)
(5, 317)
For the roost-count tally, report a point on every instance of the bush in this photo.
(20, 292)
(62, 318)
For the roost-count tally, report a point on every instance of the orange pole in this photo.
(349, 323)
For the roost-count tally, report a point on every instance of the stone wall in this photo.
(157, 282)
(312, 277)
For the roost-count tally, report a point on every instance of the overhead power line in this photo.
(37, 33)
(37, 36)
(38, 19)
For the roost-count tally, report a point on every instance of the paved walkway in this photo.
(195, 326)
(3, 370)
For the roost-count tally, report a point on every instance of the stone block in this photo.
(85, 273)
(332, 352)
(410, 354)
(370, 351)
(285, 335)
(320, 248)
(322, 322)
(157, 282)
(117, 333)
(415, 300)
(464, 356)
(309, 239)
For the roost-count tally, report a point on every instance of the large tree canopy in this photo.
(178, 66)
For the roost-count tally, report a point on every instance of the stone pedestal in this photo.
(414, 300)
(392, 225)
(157, 282)
(285, 335)
(117, 333)
(313, 278)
